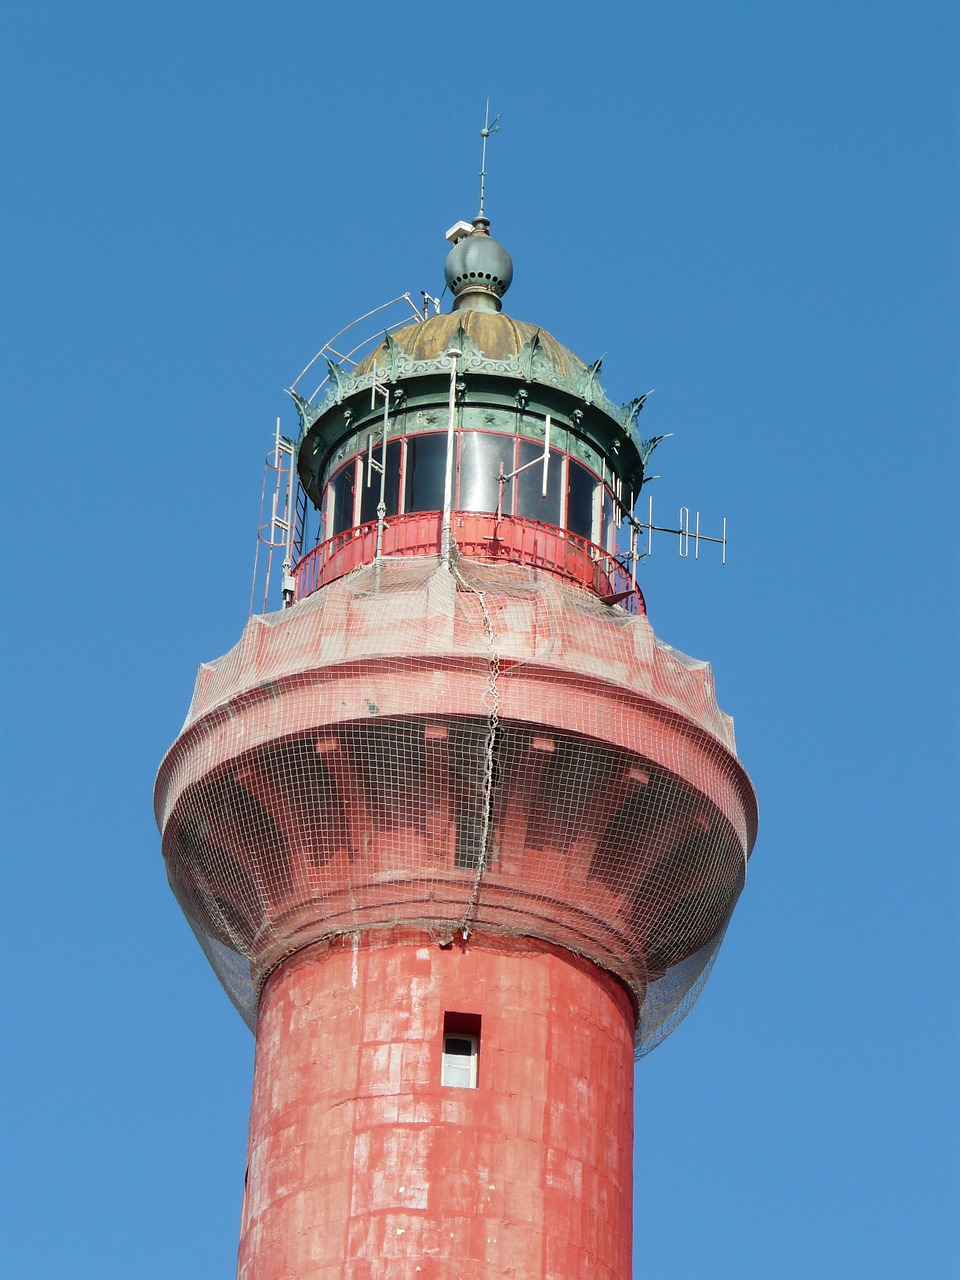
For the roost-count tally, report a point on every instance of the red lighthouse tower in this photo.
(458, 833)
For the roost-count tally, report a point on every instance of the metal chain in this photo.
(491, 699)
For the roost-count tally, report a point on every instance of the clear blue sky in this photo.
(751, 207)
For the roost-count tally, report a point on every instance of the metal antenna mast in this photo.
(489, 126)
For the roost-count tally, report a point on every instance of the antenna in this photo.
(684, 535)
(489, 126)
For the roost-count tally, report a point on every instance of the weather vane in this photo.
(489, 126)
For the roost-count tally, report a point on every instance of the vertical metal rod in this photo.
(696, 539)
(489, 126)
(287, 589)
(723, 554)
(382, 504)
(291, 499)
(650, 528)
(278, 469)
(684, 532)
(633, 554)
(546, 456)
(256, 556)
(445, 530)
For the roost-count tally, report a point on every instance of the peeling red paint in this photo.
(362, 1164)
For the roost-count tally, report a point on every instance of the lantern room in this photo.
(484, 419)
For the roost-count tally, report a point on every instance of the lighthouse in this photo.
(458, 833)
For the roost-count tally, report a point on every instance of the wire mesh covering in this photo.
(480, 536)
(465, 750)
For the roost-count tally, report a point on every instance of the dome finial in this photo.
(478, 271)
(489, 126)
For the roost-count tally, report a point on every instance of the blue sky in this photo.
(751, 207)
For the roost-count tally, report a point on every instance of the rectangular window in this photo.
(461, 1050)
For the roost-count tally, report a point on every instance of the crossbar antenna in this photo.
(489, 126)
(684, 535)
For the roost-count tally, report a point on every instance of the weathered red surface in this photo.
(361, 1164)
(479, 536)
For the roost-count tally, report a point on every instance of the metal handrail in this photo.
(480, 537)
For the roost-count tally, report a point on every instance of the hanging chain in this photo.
(491, 700)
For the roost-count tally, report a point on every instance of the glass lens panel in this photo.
(392, 493)
(480, 457)
(342, 489)
(426, 461)
(581, 486)
(530, 484)
(369, 488)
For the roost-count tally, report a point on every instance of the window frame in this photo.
(605, 497)
(456, 1062)
(464, 1027)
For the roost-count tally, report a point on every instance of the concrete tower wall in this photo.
(362, 1164)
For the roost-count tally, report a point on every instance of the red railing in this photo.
(480, 537)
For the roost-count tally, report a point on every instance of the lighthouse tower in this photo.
(458, 833)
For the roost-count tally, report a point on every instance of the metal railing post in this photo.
(445, 529)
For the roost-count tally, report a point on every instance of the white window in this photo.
(459, 1061)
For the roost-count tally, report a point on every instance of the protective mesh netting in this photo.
(464, 750)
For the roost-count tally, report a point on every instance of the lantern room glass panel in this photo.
(370, 493)
(481, 454)
(424, 472)
(342, 492)
(608, 532)
(530, 500)
(581, 488)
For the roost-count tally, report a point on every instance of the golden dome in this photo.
(496, 335)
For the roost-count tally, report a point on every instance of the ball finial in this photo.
(478, 270)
